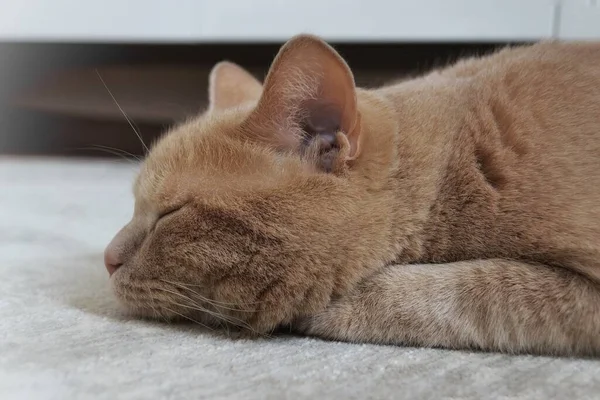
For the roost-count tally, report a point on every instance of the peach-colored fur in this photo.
(460, 209)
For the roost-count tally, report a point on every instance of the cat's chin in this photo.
(264, 324)
(228, 305)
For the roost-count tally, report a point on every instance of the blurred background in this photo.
(60, 60)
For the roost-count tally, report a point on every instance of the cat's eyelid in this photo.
(170, 211)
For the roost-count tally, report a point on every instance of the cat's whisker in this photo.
(227, 318)
(110, 151)
(131, 124)
(213, 302)
(121, 151)
(156, 311)
(195, 306)
(216, 315)
(187, 298)
(188, 318)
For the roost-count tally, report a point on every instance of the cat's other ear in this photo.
(309, 101)
(229, 85)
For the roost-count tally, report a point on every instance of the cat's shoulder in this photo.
(544, 57)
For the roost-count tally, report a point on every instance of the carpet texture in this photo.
(62, 335)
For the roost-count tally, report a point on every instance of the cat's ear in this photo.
(309, 101)
(230, 86)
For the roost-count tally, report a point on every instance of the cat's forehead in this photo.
(198, 141)
(206, 156)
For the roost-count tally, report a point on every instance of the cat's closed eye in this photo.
(169, 211)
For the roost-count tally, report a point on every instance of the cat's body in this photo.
(512, 143)
(460, 209)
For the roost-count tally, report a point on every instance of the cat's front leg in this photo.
(495, 305)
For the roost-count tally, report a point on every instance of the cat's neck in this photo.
(427, 166)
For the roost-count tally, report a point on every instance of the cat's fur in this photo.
(459, 209)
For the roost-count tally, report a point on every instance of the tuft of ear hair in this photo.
(308, 104)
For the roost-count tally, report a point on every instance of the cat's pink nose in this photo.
(112, 260)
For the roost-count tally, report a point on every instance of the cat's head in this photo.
(251, 214)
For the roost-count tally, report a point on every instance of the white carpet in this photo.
(63, 337)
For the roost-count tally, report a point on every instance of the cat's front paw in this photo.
(335, 322)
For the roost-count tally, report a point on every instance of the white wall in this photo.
(277, 20)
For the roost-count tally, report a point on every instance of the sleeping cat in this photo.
(460, 209)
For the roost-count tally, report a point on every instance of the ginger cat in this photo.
(460, 209)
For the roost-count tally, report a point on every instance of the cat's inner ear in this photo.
(309, 103)
(231, 86)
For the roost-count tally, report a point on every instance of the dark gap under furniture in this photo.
(53, 102)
